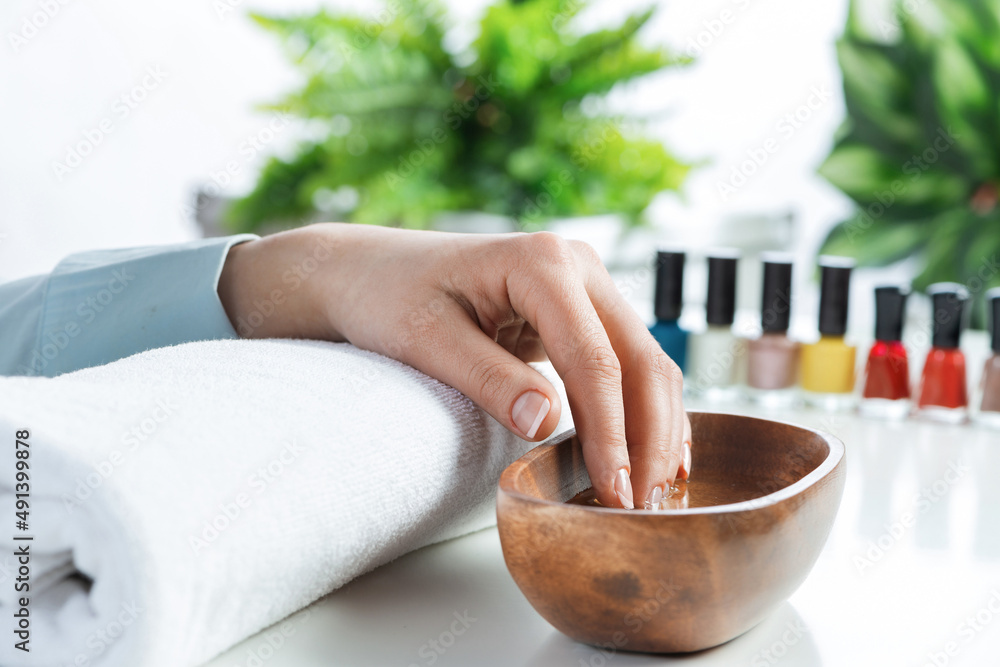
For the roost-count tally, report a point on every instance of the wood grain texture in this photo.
(676, 580)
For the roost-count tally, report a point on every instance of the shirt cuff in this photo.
(108, 304)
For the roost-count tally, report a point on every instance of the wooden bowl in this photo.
(673, 580)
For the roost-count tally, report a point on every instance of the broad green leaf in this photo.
(964, 101)
(860, 171)
(875, 242)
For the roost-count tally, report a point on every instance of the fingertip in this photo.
(684, 469)
(529, 411)
(654, 498)
(623, 489)
(534, 414)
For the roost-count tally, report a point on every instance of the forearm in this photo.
(99, 306)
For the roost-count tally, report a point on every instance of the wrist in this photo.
(269, 289)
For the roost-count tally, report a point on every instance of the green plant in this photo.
(920, 150)
(508, 127)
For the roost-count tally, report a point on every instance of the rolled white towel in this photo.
(185, 498)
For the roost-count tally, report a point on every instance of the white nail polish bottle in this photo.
(716, 354)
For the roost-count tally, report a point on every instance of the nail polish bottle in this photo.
(828, 364)
(943, 393)
(667, 303)
(773, 358)
(886, 392)
(989, 404)
(715, 354)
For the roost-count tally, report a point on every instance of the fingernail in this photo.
(685, 469)
(529, 411)
(655, 496)
(623, 489)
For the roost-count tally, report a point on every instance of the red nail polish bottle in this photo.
(943, 394)
(886, 392)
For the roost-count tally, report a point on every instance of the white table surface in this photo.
(907, 603)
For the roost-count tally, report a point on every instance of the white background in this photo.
(761, 65)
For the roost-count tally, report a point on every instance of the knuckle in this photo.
(600, 361)
(586, 253)
(488, 376)
(662, 364)
(550, 249)
(659, 456)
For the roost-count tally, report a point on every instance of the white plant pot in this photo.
(602, 232)
(477, 222)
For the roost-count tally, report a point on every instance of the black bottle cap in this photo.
(835, 288)
(993, 313)
(776, 302)
(669, 296)
(949, 301)
(720, 307)
(890, 311)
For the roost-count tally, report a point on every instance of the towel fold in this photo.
(182, 499)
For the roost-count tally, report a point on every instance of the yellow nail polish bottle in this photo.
(827, 366)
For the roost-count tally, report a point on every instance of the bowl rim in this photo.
(833, 459)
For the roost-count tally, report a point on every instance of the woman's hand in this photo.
(470, 310)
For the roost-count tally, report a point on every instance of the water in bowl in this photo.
(702, 491)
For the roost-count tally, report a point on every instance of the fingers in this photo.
(546, 290)
(684, 472)
(516, 395)
(652, 386)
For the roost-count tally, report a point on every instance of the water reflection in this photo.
(938, 452)
(986, 468)
(882, 456)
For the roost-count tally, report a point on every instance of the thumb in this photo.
(516, 395)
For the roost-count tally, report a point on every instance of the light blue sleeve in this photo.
(103, 305)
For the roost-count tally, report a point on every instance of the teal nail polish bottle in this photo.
(667, 303)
